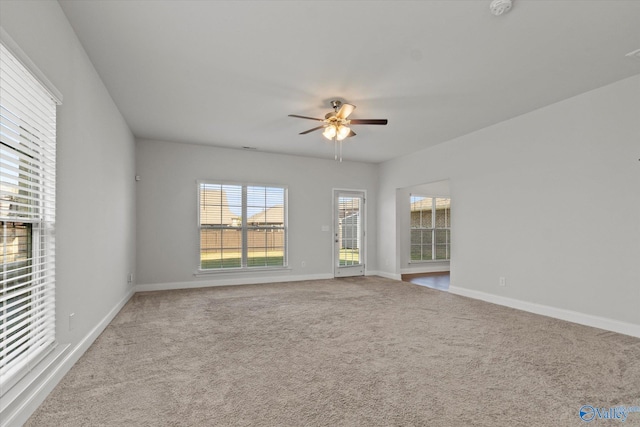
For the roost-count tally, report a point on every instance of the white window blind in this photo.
(27, 220)
(242, 226)
(220, 226)
(430, 228)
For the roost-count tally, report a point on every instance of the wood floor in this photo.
(439, 280)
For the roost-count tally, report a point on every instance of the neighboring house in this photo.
(214, 209)
(15, 236)
(219, 224)
(268, 232)
(273, 216)
(5, 200)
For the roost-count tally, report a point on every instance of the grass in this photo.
(349, 257)
(233, 260)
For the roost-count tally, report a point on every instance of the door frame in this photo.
(359, 269)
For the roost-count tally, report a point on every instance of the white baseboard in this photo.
(227, 281)
(26, 402)
(557, 313)
(233, 281)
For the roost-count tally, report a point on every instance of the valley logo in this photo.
(589, 413)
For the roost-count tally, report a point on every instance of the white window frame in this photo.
(28, 136)
(433, 230)
(244, 228)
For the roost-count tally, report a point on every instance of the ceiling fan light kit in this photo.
(336, 124)
(338, 132)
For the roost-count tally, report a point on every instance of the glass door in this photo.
(348, 233)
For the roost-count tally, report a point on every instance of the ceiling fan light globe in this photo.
(343, 132)
(329, 132)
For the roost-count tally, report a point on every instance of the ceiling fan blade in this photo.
(305, 117)
(368, 121)
(311, 130)
(345, 110)
(351, 133)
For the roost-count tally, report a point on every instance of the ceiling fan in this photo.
(336, 124)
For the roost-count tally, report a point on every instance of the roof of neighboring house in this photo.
(214, 209)
(425, 204)
(272, 215)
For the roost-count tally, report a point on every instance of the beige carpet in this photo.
(347, 352)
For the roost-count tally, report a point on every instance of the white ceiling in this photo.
(227, 73)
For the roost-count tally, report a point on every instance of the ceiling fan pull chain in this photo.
(335, 148)
(340, 142)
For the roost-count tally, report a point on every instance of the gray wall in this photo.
(95, 231)
(550, 200)
(167, 233)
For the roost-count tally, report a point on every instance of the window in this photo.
(27, 219)
(242, 226)
(430, 228)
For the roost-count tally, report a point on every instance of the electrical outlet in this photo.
(304, 264)
(130, 278)
(503, 281)
(72, 322)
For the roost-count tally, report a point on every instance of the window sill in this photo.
(235, 271)
(13, 400)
